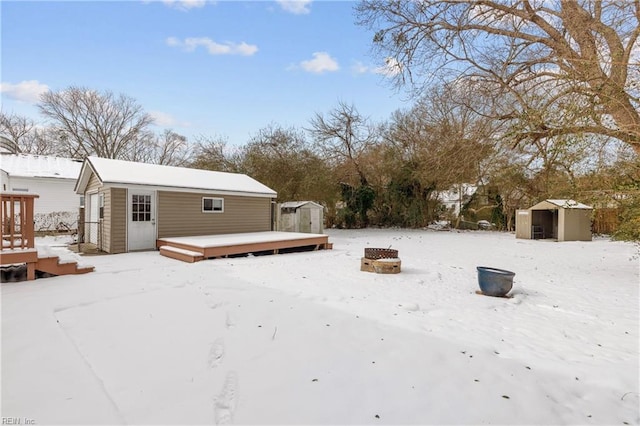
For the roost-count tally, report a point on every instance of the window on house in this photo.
(141, 208)
(82, 201)
(101, 206)
(215, 205)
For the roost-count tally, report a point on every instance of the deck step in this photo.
(52, 265)
(181, 254)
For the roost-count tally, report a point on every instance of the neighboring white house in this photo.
(457, 196)
(53, 179)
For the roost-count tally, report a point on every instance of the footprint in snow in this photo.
(229, 321)
(224, 405)
(212, 302)
(216, 353)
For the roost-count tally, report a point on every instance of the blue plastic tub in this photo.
(495, 282)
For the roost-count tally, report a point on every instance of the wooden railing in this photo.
(17, 230)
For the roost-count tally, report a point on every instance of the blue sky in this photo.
(226, 68)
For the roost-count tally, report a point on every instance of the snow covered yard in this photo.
(307, 338)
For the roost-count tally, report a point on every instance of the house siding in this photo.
(106, 222)
(93, 184)
(118, 220)
(180, 214)
(57, 204)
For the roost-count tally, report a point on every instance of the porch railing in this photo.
(17, 230)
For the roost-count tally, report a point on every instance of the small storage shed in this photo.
(563, 220)
(301, 216)
(128, 205)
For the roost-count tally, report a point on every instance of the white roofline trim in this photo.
(188, 190)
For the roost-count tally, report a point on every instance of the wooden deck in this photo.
(193, 249)
(18, 239)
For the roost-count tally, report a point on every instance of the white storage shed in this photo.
(301, 216)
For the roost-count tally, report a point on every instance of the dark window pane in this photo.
(134, 198)
(147, 217)
(134, 207)
(147, 207)
(147, 199)
(134, 217)
(207, 204)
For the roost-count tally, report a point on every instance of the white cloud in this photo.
(359, 68)
(163, 119)
(25, 91)
(320, 63)
(391, 68)
(227, 48)
(297, 7)
(185, 4)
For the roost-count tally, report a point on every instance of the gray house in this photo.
(562, 220)
(128, 205)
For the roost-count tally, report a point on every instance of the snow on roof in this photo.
(28, 165)
(569, 204)
(296, 204)
(456, 192)
(128, 172)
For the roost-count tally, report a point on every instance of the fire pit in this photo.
(380, 253)
(380, 261)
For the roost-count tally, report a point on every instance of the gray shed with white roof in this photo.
(301, 216)
(129, 206)
(562, 220)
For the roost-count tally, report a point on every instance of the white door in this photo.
(315, 221)
(91, 226)
(142, 220)
(305, 220)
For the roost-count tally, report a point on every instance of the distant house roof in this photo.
(564, 204)
(121, 172)
(297, 204)
(40, 166)
(457, 192)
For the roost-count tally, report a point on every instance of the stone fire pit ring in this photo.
(380, 253)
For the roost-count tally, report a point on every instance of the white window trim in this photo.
(212, 211)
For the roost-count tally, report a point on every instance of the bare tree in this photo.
(93, 123)
(212, 153)
(282, 159)
(344, 135)
(13, 128)
(582, 53)
(167, 148)
(20, 134)
(444, 139)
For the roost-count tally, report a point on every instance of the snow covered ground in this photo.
(307, 338)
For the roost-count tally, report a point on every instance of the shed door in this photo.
(523, 224)
(91, 225)
(305, 220)
(316, 221)
(142, 220)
